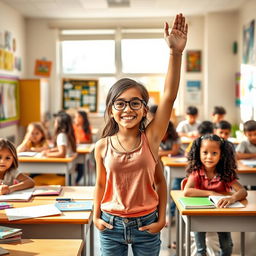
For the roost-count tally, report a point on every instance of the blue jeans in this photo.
(126, 231)
(175, 186)
(225, 240)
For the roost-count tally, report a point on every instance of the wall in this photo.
(12, 21)
(221, 31)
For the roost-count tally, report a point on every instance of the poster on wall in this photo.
(193, 58)
(43, 68)
(193, 92)
(248, 43)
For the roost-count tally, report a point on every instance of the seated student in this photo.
(188, 127)
(34, 140)
(218, 114)
(247, 148)
(223, 129)
(9, 170)
(82, 127)
(206, 127)
(65, 142)
(83, 134)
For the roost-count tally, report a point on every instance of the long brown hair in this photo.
(6, 144)
(64, 124)
(39, 127)
(117, 89)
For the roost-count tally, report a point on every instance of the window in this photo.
(88, 57)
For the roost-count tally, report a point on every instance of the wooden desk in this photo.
(68, 225)
(84, 151)
(48, 165)
(74, 192)
(45, 247)
(246, 174)
(175, 168)
(213, 220)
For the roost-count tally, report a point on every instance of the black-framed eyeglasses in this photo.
(134, 104)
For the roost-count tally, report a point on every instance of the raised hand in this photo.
(177, 37)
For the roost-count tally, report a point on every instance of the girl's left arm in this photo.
(161, 189)
(239, 195)
(24, 183)
(59, 151)
(176, 41)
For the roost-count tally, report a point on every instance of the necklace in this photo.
(128, 156)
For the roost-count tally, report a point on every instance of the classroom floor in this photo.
(250, 246)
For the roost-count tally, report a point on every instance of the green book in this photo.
(196, 203)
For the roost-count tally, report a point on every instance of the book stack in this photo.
(4, 205)
(9, 235)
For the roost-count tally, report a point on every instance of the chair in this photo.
(212, 241)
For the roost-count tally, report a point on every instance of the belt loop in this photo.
(139, 223)
(111, 220)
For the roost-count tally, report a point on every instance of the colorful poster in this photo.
(193, 92)
(43, 68)
(194, 61)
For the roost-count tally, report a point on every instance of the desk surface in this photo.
(241, 168)
(248, 210)
(76, 217)
(43, 247)
(74, 192)
(47, 159)
(85, 148)
(174, 161)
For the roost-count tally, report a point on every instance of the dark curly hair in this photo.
(226, 167)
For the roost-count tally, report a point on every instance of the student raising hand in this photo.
(177, 38)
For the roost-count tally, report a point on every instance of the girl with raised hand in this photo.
(130, 192)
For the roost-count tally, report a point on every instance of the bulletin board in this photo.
(80, 93)
(9, 101)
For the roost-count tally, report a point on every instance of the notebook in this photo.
(27, 154)
(196, 203)
(249, 162)
(75, 206)
(6, 232)
(215, 200)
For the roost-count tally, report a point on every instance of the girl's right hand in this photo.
(101, 224)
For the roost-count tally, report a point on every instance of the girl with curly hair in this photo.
(212, 171)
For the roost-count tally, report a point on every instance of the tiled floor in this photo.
(250, 246)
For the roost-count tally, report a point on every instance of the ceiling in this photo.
(101, 9)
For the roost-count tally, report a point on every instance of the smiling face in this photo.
(6, 160)
(129, 118)
(210, 154)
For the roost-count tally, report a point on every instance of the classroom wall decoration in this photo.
(80, 93)
(9, 101)
(248, 43)
(193, 92)
(43, 68)
(193, 61)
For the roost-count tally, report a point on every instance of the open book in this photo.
(205, 202)
(249, 162)
(19, 196)
(51, 190)
(215, 200)
(6, 232)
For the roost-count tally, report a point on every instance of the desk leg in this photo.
(169, 205)
(85, 170)
(92, 239)
(187, 231)
(177, 231)
(242, 241)
(181, 236)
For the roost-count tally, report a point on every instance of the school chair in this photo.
(212, 241)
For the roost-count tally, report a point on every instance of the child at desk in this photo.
(218, 114)
(9, 170)
(212, 171)
(188, 128)
(34, 140)
(65, 142)
(222, 129)
(130, 192)
(83, 134)
(247, 148)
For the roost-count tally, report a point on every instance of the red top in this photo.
(215, 184)
(81, 136)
